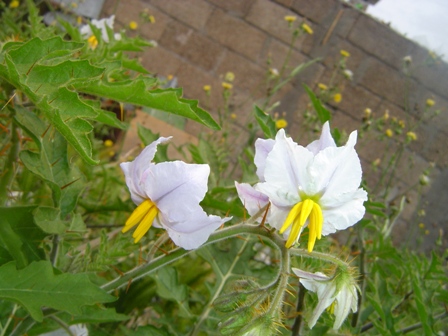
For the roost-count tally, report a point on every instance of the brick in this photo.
(378, 39)
(235, 34)
(161, 61)
(435, 77)
(346, 21)
(286, 3)
(355, 99)
(321, 13)
(235, 7)
(127, 11)
(192, 45)
(276, 52)
(247, 75)
(384, 81)
(269, 17)
(194, 13)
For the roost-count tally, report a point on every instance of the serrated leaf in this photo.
(139, 91)
(323, 114)
(48, 219)
(95, 314)
(19, 234)
(168, 285)
(266, 123)
(51, 162)
(37, 286)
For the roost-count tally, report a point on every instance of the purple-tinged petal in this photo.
(325, 140)
(252, 199)
(262, 148)
(177, 188)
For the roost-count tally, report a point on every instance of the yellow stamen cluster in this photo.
(297, 217)
(92, 41)
(144, 216)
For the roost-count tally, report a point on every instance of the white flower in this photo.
(86, 30)
(348, 74)
(168, 196)
(315, 186)
(341, 291)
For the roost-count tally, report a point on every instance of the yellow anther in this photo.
(138, 214)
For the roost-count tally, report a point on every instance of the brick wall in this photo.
(200, 40)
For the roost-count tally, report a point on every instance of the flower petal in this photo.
(262, 148)
(195, 231)
(346, 298)
(177, 188)
(285, 171)
(252, 199)
(325, 140)
(342, 216)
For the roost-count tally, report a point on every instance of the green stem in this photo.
(318, 255)
(8, 169)
(14, 309)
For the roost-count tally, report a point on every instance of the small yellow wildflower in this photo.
(426, 232)
(227, 86)
(207, 88)
(92, 41)
(152, 19)
(386, 115)
(307, 29)
(233, 115)
(281, 123)
(401, 123)
(337, 98)
(169, 77)
(108, 143)
(411, 136)
(14, 4)
(229, 77)
(367, 112)
(421, 226)
(389, 133)
(74, 5)
(430, 102)
(345, 53)
(133, 25)
(290, 18)
(323, 87)
(79, 20)
(421, 212)
(111, 153)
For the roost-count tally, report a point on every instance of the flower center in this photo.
(297, 217)
(92, 41)
(145, 214)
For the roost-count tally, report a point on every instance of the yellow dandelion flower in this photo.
(307, 29)
(401, 123)
(389, 133)
(227, 86)
(421, 226)
(430, 102)
(367, 112)
(290, 18)
(14, 4)
(152, 19)
(345, 53)
(230, 76)
(169, 77)
(426, 232)
(233, 115)
(92, 41)
(337, 98)
(133, 25)
(281, 123)
(323, 87)
(207, 88)
(79, 20)
(411, 136)
(108, 143)
(386, 115)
